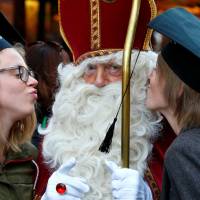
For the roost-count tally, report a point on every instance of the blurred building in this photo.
(38, 19)
(34, 19)
(191, 5)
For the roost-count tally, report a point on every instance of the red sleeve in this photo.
(155, 172)
(44, 172)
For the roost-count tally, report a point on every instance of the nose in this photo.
(100, 80)
(32, 81)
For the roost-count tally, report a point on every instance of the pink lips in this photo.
(34, 94)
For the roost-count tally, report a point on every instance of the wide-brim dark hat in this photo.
(182, 53)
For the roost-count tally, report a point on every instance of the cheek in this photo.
(12, 91)
(155, 97)
(89, 78)
(113, 78)
(8, 98)
(152, 91)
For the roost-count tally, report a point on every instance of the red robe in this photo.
(44, 174)
(153, 175)
(155, 172)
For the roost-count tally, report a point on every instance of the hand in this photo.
(127, 184)
(76, 186)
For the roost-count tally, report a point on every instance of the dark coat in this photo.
(181, 179)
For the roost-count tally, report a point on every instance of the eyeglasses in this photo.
(22, 72)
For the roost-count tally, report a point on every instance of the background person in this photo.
(43, 58)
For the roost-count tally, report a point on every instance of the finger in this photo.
(79, 185)
(116, 184)
(67, 166)
(115, 194)
(132, 182)
(70, 198)
(111, 165)
(129, 183)
(74, 192)
(77, 192)
(126, 183)
(122, 173)
(53, 195)
(126, 194)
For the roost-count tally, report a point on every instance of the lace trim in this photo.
(152, 183)
(37, 197)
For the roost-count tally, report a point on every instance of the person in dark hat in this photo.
(18, 95)
(174, 91)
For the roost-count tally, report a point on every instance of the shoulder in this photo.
(187, 140)
(182, 164)
(185, 147)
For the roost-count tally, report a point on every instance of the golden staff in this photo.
(125, 81)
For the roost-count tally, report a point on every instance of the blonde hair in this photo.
(20, 49)
(186, 105)
(20, 133)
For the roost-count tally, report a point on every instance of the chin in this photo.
(29, 111)
(148, 104)
(151, 106)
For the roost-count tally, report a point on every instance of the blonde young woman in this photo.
(18, 94)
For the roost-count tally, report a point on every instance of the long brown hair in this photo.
(43, 58)
(186, 105)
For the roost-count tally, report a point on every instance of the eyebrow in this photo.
(9, 68)
(14, 67)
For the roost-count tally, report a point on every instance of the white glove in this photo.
(127, 184)
(76, 186)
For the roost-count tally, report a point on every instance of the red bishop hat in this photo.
(98, 27)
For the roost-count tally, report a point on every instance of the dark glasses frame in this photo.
(24, 73)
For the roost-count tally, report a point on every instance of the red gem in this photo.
(61, 188)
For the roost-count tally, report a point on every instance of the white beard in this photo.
(82, 114)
